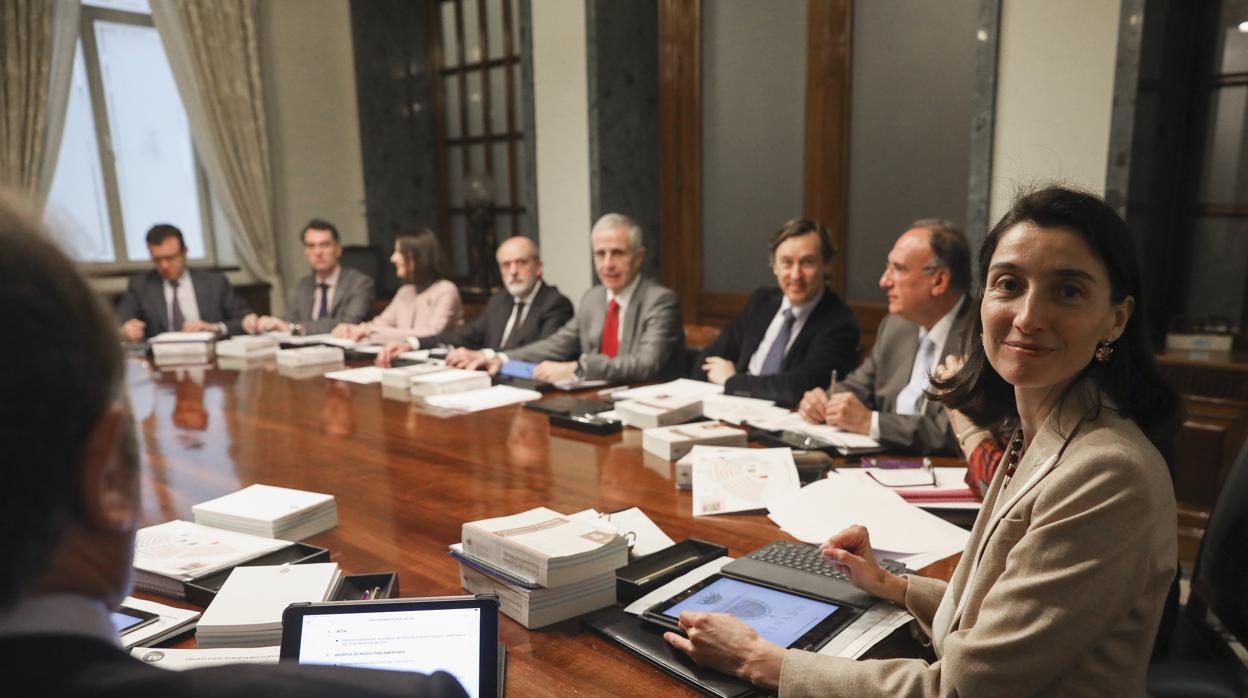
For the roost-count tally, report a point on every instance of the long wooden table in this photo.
(406, 479)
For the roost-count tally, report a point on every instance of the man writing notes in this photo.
(330, 295)
(525, 310)
(926, 277)
(626, 330)
(71, 505)
(174, 298)
(789, 338)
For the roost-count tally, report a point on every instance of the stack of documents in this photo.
(168, 554)
(177, 348)
(681, 387)
(272, 512)
(672, 443)
(247, 612)
(740, 410)
(544, 566)
(396, 383)
(821, 434)
(659, 411)
(684, 466)
(172, 622)
(927, 487)
(364, 375)
(247, 347)
(744, 479)
(447, 381)
(484, 399)
(310, 356)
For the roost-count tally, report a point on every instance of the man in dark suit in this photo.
(525, 310)
(927, 276)
(330, 295)
(789, 338)
(626, 330)
(70, 504)
(174, 298)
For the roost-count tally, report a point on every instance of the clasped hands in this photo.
(726, 643)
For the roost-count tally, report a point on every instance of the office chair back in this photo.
(1222, 563)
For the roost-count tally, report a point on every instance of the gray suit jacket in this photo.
(887, 371)
(652, 341)
(353, 302)
(145, 300)
(1062, 584)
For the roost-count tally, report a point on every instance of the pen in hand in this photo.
(832, 385)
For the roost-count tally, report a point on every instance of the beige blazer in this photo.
(413, 314)
(1061, 586)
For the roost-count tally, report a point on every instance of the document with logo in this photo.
(744, 480)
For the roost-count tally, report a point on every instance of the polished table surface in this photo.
(405, 479)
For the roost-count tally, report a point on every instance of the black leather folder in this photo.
(646, 641)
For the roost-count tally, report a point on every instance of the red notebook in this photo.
(941, 496)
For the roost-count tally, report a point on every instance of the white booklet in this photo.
(483, 398)
(740, 410)
(183, 659)
(364, 375)
(681, 387)
(744, 480)
(180, 337)
(262, 504)
(793, 421)
(183, 550)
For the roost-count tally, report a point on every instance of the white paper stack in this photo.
(681, 387)
(484, 399)
(172, 622)
(846, 442)
(272, 512)
(247, 612)
(247, 347)
(740, 410)
(450, 380)
(744, 480)
(546, 546)
(396, 383)
(310, 356)
(535, 608)
(660, 411)
(673, 443)
(179, 348)
(168, 554)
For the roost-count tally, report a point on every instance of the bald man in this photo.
(525, 310)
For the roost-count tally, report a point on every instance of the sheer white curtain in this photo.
(212, 49)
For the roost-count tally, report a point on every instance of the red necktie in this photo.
(611, 330)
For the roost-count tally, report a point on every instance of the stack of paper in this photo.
(544, 566)
(172, 622)
(396, 383)
(659, 411)
(446, 381)
(177, 348)
(744, 480)
(272, 512)
(484, 399)
(168, 554)
(247, 347)
(681, 387)
(364, 375)
(247, 612)
(844, 441)
(310, 356)
(740, 410)
(672, 443)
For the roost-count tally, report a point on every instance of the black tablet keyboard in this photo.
(807, 558)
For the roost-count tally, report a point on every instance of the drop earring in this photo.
(1104, 350)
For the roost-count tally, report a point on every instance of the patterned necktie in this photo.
(611, 330)
(771, 363)
(175, 310)
(910, 399)
(517, 312)
(323, 311)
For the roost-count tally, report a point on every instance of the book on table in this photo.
(168, 554)
(311, 356)
(660, 411)
(446, 381)
(545, 546)
(248, 347)
(674, 442)
(247, 612)
(535, 608)
(273, 512)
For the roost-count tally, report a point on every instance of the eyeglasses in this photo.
(898, 270)
(807, 264)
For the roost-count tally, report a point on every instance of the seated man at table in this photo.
(173, 298)
(926, 276)
(789, 338)
(70, 504)
(330, 295)
(525, 310)
(626, 330)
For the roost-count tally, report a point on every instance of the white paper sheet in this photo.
(681, 387)
(178, 337)
(364, 375)
(647, 536)
(842, 499)
(742, 481)
(483, 399)
(793, 421)
(183, 659)
(171, 619)
(739, 410)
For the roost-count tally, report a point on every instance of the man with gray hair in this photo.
(926, 276)
(525, 310)
(626, 330)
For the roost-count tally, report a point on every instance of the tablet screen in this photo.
(427, 640)
(778, 616)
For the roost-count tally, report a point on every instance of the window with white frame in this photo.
(126, 160)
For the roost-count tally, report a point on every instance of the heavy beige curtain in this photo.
(212, 49)
(37, 40)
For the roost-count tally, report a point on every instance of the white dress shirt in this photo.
(800, 314)
(514, 321)
(939, 334)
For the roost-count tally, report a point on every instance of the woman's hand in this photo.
(726, 643)
(850, 552)
(389, 352)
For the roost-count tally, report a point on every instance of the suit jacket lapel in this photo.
(631, 317)
(163, 308)
(499, 309)
(757, 329)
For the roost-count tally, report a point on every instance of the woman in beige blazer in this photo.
(1062, 583)
(426, 304)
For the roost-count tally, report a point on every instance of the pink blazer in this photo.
(413, 314)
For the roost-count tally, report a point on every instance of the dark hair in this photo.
(1130, 377)
(426, 262)
(163, 231)
(320, 224)
(57, 383)
(801, 226)
(950, 248)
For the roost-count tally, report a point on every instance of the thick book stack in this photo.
(169, 554)
(247, 612)
(660, 411)
(544, 566)
(446, 381)
(182, 348)
(248, 347)
(310, 356)
(673, 443)
(396, 383)
(272, 512)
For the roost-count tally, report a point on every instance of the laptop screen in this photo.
(399, 636)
